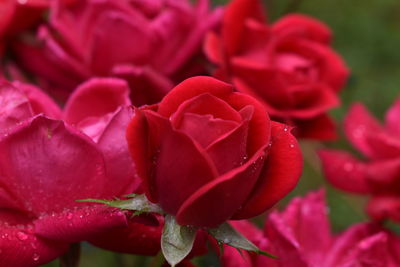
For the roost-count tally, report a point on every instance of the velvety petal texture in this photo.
(207, 154)
(47, 164)
(289, 66)
(301, 236)
(92, 38)
(377, 173)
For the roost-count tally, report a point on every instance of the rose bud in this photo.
(301, 236)
(207, 154)
(289, 66)
(119, 38)
(378, 174)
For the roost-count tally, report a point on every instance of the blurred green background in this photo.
(367, 35)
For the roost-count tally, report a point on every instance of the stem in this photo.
(72, 256)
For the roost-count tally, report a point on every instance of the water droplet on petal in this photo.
(69, 216)
(286, 129)
(35, 257)
(291, 146)
(22, 236)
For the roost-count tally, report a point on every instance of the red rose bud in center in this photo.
(207, 154)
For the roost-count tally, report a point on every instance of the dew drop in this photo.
(286, 129)
(22, 236)
(35, 257)
(291, 146)
(69, 216)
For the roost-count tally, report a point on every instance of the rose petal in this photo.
(344, 171)
(21, 248)
(120, 169)
(358, 124)
(381, 207)
(205, 104)
(53, 165)
(321, 127)
(280, 174)
(142, 150)
(96, 98)
(190, 88)
(392, 118)
(113, 44)
(204, 129)
(79, 224)
(304, 26)
(148, 85)
(229, 150)
(137, 238)
(236, 13)
(218, 200)
(39, 101)
(14, 106)
(260, 125)
(356, 245)
(181, 173)
(7, 11)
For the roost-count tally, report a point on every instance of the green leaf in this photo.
(226, 234)
(139, 203)
(176, 240)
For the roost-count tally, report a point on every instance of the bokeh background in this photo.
(367, 35)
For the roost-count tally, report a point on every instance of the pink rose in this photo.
(151, 44)
(378, 174)
(289, 65)
(300, 236)
(46, 165)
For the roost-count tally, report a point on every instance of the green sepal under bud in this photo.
(176, 240)
(226, 234)
(138, 203)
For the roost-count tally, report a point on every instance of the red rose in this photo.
(289, 65)
(378, 173)
(207, 154)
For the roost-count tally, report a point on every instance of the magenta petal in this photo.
(181, 173)
(40, 102)
(21, 248)
(358, 124)
(392, 118)
(344, 171)
(122, 39)
(14, 106)
(307, 219)
(53, 165)
(79, 224)
(120, 169)
(96, 98)
(218, 200)
(361, 244)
